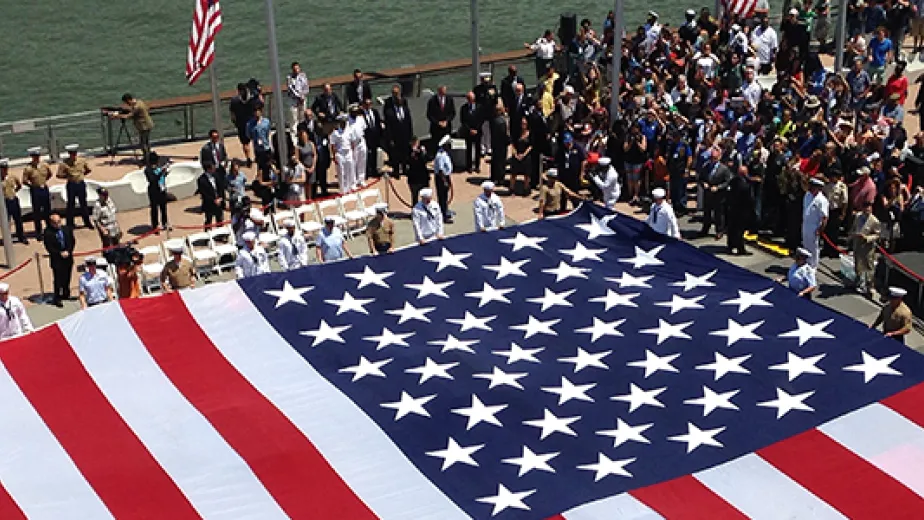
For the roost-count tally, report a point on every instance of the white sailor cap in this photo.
(487, 185)
(176, 248)
(72, 147)
(289, 223)
(553, 173)
(353, 106)
(873, 157)
(35, 150)
(445, 140)
(736, 28)
(256, 214)
(330, 219)
(380, 207)
(4, 162)
(794, 12)
(658, 193)
(815, 181)
(90, 260)
(653, 14)
(691, 12)
(569, 89)
(4, 288)
(425, 192)
(342, 117)
(101, 262)
(484, 75)
(604, 161)
(897, 292)
(803, 252)
(249, 236)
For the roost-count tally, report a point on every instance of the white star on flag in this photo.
(605, 467)
(387, 337)
(627, 280)
(806, 331)
(644, 258)
(638, 397)
(409, 312)
(370, 277)
(711, 401)
(724, 365)
(448, 259)
(580, 253)
(665, 331)
(565, 271)
(601, 328)
(516, 353)
(551, 299)
(456, 454)
(872, 367)
(796, 366)
(534, 326)
(691, 282)
(696, 437)
(520, 241)
(500, 378)
(679, 303)
(489, 294)
(366, 368)
(505, 499)
(453, 343)
(507, 268)
(625, 432)
(410, 405)
(431, 369)
(288, 294)
(325, 332)
(585, 359)
(737, 332)
(349, 303)
(428, 287)
(613, 298)
(550, 424)
(470, 322)
(478, 413)
(653, 363)
(597, 227)
(532, 461)
(568, 391)
(746, 300)
(785, 403)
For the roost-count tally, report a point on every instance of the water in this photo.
(58, 59)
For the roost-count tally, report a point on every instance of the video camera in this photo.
(123, 255)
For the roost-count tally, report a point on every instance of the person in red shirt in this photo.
(898, 83)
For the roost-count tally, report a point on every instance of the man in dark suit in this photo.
(717, 177)
(500, 141)
(211, 187)
(59, 242)
(519, 107)
(441, 110)
(327, 107)
(398, 131)
(214, 152)
(539, 132)
(374, 130)
(358, 90)
(508, 84)
(486, 96)
(470, 129)
(739, 211)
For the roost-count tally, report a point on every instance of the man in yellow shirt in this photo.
(11, 186)
(895, 316)
(74, 169)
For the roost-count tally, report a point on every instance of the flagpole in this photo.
(476, 45)
(281, 140)
(617, 59)
(216, 102)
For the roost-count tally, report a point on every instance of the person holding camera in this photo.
(156, 174)
(140, 115)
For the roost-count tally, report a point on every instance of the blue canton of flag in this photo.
(532, 370)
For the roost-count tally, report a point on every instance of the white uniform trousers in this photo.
(359, 162)
(810, 242)
(346, 171)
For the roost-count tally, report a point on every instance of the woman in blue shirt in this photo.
(237, 182)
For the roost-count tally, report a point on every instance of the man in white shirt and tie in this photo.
(661, 217)
(297, 93)
(489, 210)
(608, 182)
(427, 218)
(13, 318)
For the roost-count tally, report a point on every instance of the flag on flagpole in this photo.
(742, 8)
(206, 24)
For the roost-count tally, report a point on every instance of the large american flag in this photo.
(579, 368)
(205, 25)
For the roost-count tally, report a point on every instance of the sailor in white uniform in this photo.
(251, 259)
(13, 318)
(814, 219)
(341, 145)
(489, 210)
(801, 276)
(298, 242)
(287, 254)
(608, 183)
(357, 129)
(427, 218)
(661, 217)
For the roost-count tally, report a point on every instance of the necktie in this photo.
(655, 215)
(442, 103)
(215, 153)
(400, 112)
(61, 238)
(330, 105)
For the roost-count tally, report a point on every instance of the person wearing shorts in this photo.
(241, 112)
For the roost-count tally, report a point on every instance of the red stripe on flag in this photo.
(909, 404)
(290, 467)
(841, 478)
(105, 450)
(687, 498)
(556, 517)
(8, 508)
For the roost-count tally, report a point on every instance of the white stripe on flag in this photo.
(358, 450)
(35, 469)
(885, 439)
(217, 481)
(752, 485)
(622, 507)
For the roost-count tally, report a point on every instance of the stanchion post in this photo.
(387, 190)
(41, 279)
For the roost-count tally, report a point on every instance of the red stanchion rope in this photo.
(833, 245)
(393, 190)
(204, 227)
(15, 269)
(297, 203)
(110, 248)
(900, 265)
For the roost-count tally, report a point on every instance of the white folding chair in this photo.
(205, 259)
(370, 198)
(267, 235)
(152, 258)
(331, 208)
(308, 220)
(169, 244)
(281, 216)
(225, 249)
(354, 215)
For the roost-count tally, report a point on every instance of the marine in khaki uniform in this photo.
(895, 316)
(141, 118)
(381, 231)
(551, 194)
(11, 186)
(74, 169)
(36, 176)
(863, 235)
(178, 273)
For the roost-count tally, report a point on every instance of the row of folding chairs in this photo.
(211, 251)
(351, 213)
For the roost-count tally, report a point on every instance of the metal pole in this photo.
(7, 236)
(41, 279)
(277, 84)
(840, 38)
(718, 11)
(216, 101)
(617, 58)
(476, 46)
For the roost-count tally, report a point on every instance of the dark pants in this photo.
(473, 152)
(372, 162)
(41, 208)
(383, 247)
(713, 211)
(572, 181)
(213, 212)
(833, 232)
(321, 173)
(542, 66)
(415, 189)
(737, 224)
(442, 192)
(158, 201)
(144, 142)
(678, 185)
(109, 240)
(263, 159)
(535, 170)
(61, 270)
(77, 192)
(14, 211)
(498, 163)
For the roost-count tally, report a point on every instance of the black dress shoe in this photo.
(57, 303)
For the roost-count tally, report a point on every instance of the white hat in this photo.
(553, 173)
(256, 214)
(101, 262)
(803, 252)
(736, 27)
(72, 147)
(445, 140)
(569, 89)
(380, 207)
(487, 185)
(175, 248)
(90, 260)
(249, 236)
(604, 161)
(484, 75)
(330, 218)
(691, 12)
(4, 162)
(342, 117)
(652, 13)
(873, 157)
(658, 193)
(794, 12)
(4, 287)
(288, 222)
(815, 181)
(897, 292)
(35, 150)
(425, 192)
